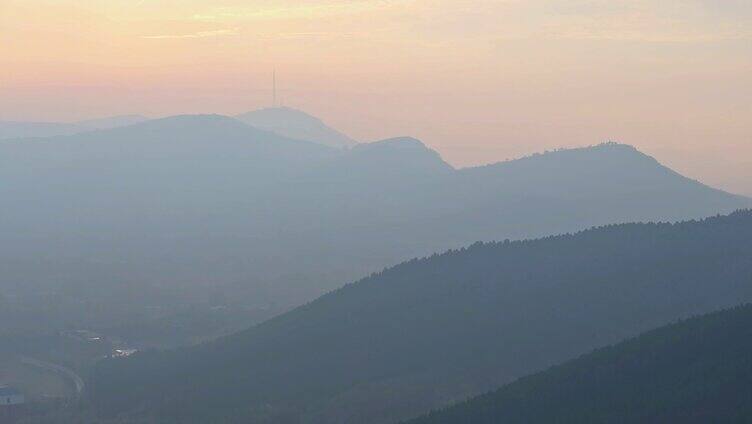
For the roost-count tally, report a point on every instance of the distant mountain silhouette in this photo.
(185, 145)
(112, 122)
(695, 371)
(19, 129)
(295, 124)
(598, 185)
(433, 331)
(402, 161)
(172, 199)
(13, 129)
(177, 208)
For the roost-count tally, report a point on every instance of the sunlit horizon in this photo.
(477, 81)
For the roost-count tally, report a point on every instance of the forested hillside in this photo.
(434, 331)
(695, 371)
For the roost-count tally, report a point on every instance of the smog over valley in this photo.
(375, 211)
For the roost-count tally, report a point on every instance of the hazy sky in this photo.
(480, 80)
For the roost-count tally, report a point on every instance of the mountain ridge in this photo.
(182, 201)
(692, 371)
(296, 124)
(31, 129)
(445, 326)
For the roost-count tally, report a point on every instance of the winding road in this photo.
(78, 382)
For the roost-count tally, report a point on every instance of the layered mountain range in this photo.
(211, 204)
(433, 331)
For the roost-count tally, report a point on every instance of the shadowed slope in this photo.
(431, 331)
(696, 371)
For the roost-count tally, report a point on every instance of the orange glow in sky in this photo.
(479, 81)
